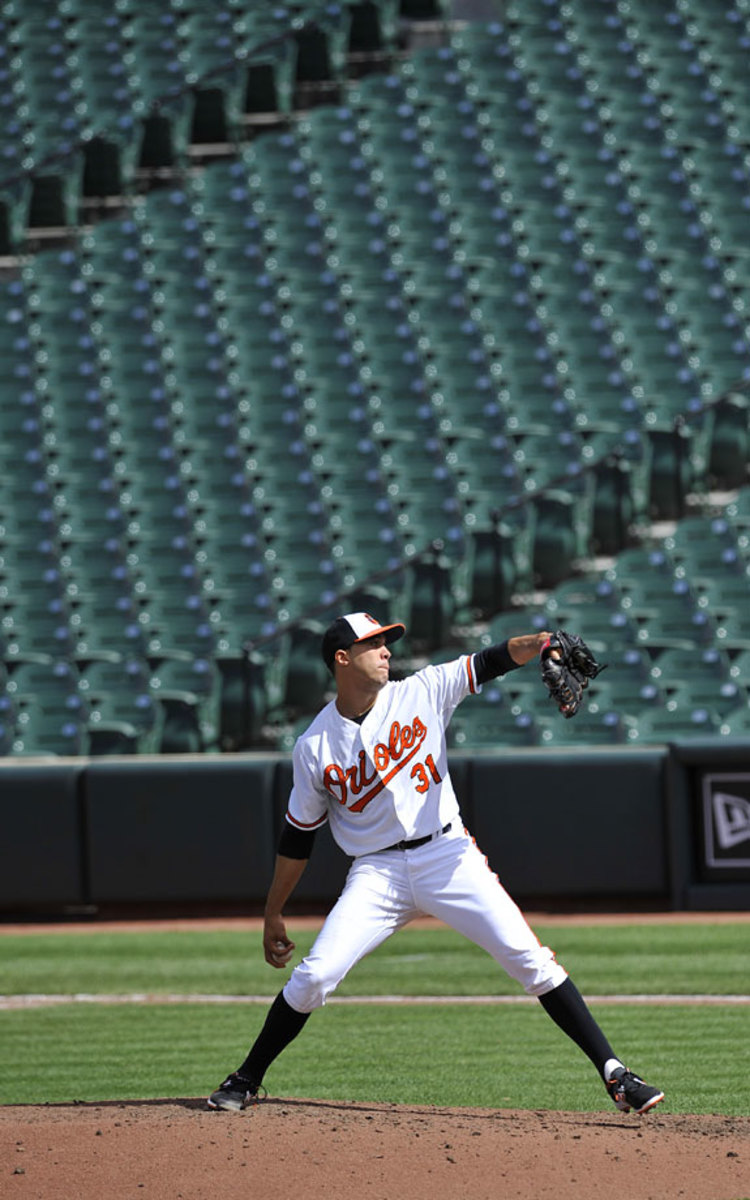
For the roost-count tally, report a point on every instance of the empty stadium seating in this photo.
(478, 318)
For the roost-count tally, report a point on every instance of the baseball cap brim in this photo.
(392, 633)
(348, 630)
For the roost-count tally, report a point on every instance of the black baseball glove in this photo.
(567, 665)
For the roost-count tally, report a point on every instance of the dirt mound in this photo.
(322, 1150)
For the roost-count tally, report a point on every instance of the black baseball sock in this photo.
(568, 1009)
(281, 1027)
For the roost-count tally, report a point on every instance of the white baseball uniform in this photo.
(384, 781)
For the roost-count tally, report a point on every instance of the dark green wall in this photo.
(596, 825)
(563, 823)
(42, 848)
(170, 830)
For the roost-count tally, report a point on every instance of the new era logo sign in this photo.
(726, 818)
(732, 820)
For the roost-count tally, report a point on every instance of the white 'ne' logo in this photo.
(732, 816)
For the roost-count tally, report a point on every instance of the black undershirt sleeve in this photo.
(493, 661)
(296, 843)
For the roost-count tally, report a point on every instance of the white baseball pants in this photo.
(448, 878)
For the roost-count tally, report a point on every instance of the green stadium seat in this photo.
(322, 47)
(606, 624)
(243, 699)
(54, 198)
(430, 601)
(14, 206)
(115, 689)
(271, 75)
(658, 725)
(110, 736)
(702, 544)
(490, 730)
(724, 593)
(124, 718)
(737, 511)
(679, 626)
(562, 531)
(497, 565)
(701, 678)
(733, 630)
(609, 728)
(42, 734)
(373, 31)
(8, 722)
(729, 453)
(736, 723)
(631, 686)
(188, 689)
(51, 716)
(307, 677)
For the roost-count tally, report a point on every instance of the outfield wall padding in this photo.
(562, 823)
(592, 825)
(175, 830)
(41, 847)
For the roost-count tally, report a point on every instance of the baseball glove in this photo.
(567, 665)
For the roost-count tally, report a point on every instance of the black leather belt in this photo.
(412, 845)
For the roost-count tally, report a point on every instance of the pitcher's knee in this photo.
(537, 972)
(308, 987)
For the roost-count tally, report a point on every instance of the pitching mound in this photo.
(321, 1150)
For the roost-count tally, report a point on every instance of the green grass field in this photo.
(442, 1054)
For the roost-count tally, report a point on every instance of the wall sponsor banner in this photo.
(726, 824)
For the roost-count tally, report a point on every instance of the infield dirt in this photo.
(177, 1150)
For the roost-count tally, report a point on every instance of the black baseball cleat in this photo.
(630, 1092)
(235, 1093)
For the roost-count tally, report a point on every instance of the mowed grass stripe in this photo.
(460, 1033)
(488, 1056)
(669, 959)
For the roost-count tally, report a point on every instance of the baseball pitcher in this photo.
(373, 763)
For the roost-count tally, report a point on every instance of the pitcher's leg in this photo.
(469, 897)
(281, 1026)
(462, 890)
(372, 906)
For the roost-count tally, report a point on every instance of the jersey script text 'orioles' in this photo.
(386, 778)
